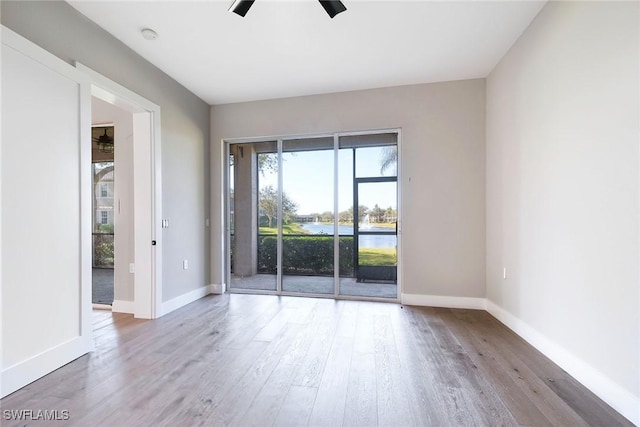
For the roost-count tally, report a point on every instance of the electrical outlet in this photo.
(132, 268)
(504, 273)
(185, 264)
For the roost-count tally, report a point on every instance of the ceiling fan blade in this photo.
(333, 7)
(241, 7)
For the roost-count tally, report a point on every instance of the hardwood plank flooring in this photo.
(257, 360)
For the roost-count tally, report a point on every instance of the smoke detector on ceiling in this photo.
(149, 34)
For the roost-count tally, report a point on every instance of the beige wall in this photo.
(442, 175)
(61, 30)
(563, 187)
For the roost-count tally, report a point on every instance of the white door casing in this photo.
(147, 187)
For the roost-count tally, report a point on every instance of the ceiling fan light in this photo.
(105, 143)
(333, 7)
(107, 148)
(241, 7)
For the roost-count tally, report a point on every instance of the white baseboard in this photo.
(218, 288)
(19, 375)
(619, 398)
(184, 299)
(444, 301)
(122, 306)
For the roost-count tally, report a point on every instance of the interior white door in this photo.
(45, 260)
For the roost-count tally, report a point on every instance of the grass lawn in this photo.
(377, 256)
(286, 229)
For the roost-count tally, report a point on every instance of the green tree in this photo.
(289, 209)
(326, 216)
(268, 204)
(377, 213)
(362, 212)
(390, 214)
(389, 160)
(267, 163)
(346, 216)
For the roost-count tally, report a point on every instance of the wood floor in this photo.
(250, 360)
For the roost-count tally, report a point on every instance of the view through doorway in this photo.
(103, 218)
(314, 216)
(138, 201)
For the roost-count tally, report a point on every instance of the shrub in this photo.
(305, 255)
(103, 255)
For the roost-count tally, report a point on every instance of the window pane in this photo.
(376, 161)
(308, 224)
(252, 186)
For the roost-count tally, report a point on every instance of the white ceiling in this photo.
(292, 48)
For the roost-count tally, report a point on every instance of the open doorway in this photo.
(137, 205)
(103, 213)
(112, 219)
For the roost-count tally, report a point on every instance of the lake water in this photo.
(365, 241)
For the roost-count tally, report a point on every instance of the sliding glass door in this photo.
(293, 228)
(253, 216)
(368, 166)
(307, 204)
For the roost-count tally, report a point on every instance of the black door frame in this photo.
(363, 274)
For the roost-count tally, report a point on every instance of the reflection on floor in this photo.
(102, 286)
(315, 285)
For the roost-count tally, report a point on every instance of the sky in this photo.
(308, 180)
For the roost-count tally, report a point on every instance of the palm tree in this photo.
(389, 158)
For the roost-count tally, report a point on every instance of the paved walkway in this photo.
(316, 285)
(102, 286)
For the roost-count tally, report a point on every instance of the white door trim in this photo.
(146, 192)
